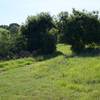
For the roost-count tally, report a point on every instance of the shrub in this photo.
(49, 44)
(4, 42)
(36, 31)
(81, 29)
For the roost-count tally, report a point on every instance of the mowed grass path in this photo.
(57, 78)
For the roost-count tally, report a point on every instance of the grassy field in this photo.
(59, 77)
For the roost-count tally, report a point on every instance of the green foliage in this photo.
(49, 44)
(18, 44)
(36, 32)
(61, 25)
(4, 42)
(4, 26)
(11, 44)
(79, 29)
(14, 28)
(55, 33)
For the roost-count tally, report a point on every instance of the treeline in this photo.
(40, 33)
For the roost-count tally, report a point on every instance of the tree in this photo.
(4, 27)
(61, 24)
(14, 28)
(10, 44)
(36, 31)
(4, 42)
(82, 28)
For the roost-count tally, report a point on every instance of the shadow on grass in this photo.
(47, 57)
(89, 52)
(39, 57)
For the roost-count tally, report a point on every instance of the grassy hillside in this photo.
(58, 78)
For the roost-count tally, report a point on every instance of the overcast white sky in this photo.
(18, 10)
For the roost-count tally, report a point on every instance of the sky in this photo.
(16, 11)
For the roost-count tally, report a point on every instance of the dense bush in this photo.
(36, 31)
(14, 28)
(10, 44)
(81, 29)
(4, 42)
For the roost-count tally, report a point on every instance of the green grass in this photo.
(57, 78)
